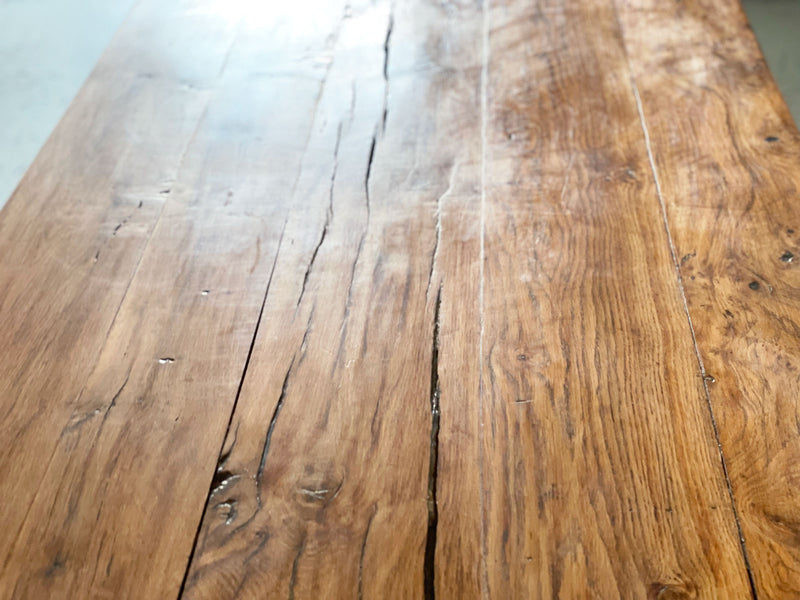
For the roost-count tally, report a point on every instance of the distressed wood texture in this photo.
(407, 299)
(726, 152)
(601, 473)
(140, 284)
(327, 486)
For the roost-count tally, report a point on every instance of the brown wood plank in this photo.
(726, 152)
(58, 298)
(112, 508)
(602, 476)
(325, 485)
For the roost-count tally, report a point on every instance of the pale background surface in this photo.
(48, 48)
(777, 26)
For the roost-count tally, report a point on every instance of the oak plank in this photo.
(727, 169)
(601, 473)
(124, 486)
(324, 485)
(90, 184)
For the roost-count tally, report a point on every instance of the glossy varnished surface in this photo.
(407, 300)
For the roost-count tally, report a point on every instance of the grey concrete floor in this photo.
(48, 48)
(776, 24)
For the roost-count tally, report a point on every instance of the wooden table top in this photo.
(408, 299)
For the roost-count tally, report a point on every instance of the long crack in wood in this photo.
(268, 440)
(363, 553)
(349, 300)
(439, 203)
(328, 214)
(222, 456)
(226, 452)
(433, 507)
(386, 48)
(77, 423)
(295, 564)
(113, 402)
(369, 171)
(304, 341)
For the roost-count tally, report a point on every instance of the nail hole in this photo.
(754, 285)
(771, 139)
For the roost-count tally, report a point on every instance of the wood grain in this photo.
(341, 475)
(59, 298)
(121, 486)
(379, 299)
(601, 474)
(728, 175)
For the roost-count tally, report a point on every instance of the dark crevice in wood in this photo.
(386, 48)
(263, 541)
(433, 507)
(367, 176)
(363, 553)
(135, 271)
(293, 581)
(77, 423)
(268, 439)
(304, 341)
(56, 565)
(349, 299)
(435, 252)
(222, 452)
(328, 214)
(223, 457)
(113, 402)
(369, 171)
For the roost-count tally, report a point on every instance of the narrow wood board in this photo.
(726, 151)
